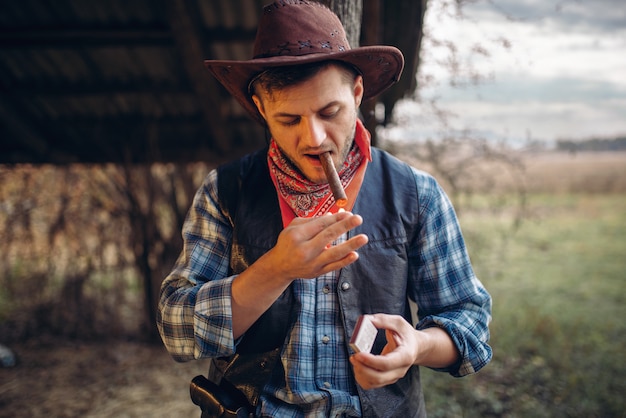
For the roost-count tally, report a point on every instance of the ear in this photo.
(358, 90)
(259, 105)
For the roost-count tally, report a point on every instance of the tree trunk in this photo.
(371, 35)
(350, 13)
(406, 34)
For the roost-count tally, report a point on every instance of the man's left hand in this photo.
(405, 347)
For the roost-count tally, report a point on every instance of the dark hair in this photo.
(278, 78)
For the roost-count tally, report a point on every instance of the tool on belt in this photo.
(220, 401)
(241, 379)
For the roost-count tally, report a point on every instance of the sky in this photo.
(539, 70)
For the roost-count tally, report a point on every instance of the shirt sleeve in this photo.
(446, 289)
(194, 316)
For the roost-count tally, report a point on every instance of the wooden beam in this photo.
(189, 44)
(23, 139)
(90, 89)
(120, 36)
(74, 37)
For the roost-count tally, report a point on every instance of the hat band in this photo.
(303, 48)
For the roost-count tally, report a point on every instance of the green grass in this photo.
(559, 312)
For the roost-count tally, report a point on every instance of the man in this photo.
(273, 275)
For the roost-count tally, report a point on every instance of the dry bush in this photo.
(583, 172)
(82, 244)
(490, 178)
(470, 166)
(475, 173)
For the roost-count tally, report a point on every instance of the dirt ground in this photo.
(112, 379)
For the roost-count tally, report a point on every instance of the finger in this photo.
(381, 363)
(370, 378)
(394, 356)
(341, 263)
(309, 228)
(386, 321)
(339, 256)
(353, 244)
(332, 231)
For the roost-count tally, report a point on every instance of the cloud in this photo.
(568, 15)
(553, 69)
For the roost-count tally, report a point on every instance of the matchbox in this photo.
(363, 336)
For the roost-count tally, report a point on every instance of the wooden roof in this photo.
(123, 80)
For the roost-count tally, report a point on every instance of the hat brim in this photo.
(380, 66)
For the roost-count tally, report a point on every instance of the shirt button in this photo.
(326, 289)
(327, 385)
(325, 339)
(345, 286)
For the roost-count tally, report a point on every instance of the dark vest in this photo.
(377, 282)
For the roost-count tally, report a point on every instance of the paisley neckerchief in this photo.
(300, 197)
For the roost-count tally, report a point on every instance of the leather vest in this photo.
(377, 282)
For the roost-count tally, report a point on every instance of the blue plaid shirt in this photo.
(195, 320)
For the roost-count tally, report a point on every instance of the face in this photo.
(313, 117)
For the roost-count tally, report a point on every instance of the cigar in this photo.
(333, 180)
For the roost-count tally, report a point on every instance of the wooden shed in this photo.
(123, 80)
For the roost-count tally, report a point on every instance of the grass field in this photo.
(558, 333)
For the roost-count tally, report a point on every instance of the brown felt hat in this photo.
(293, 32)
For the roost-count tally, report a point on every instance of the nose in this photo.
(314, 132)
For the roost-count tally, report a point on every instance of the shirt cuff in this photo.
(213, 320)
(473, 353)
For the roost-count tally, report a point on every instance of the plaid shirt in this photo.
(195, 321)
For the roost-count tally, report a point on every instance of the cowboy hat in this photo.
(294, 32)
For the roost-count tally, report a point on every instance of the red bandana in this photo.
(300, 197)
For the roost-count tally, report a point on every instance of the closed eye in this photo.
(329, 115)
(290, 122)
(330, 112)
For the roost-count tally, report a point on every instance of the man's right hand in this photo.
(304, 250)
